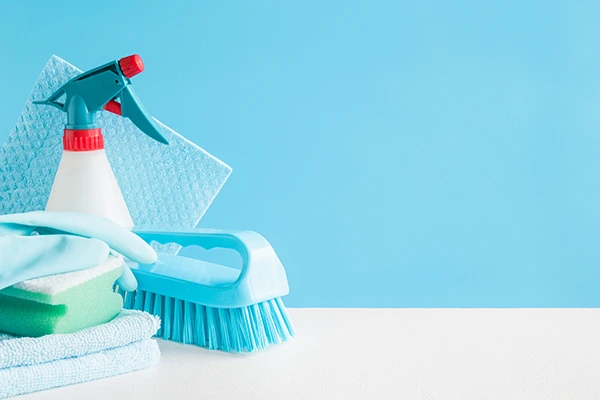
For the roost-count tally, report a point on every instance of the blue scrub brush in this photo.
(212, 305)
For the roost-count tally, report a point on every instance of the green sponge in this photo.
(63, 303)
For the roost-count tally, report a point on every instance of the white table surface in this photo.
(384, 354)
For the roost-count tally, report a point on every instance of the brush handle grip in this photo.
(243, 242)
(262, 275)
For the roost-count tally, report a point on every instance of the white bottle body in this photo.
(86, 183)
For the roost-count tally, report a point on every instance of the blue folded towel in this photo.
(120, 346)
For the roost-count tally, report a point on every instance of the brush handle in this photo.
(240, 241)
(262, 276)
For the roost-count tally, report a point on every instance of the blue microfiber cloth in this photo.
(120, 346)
(163, 186)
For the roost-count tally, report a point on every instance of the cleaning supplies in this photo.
(213, 305)
(162, 185)
(63, 303)
(118, 347)
(70, 301)
(85, 182)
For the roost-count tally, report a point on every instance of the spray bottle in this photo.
(85, 182)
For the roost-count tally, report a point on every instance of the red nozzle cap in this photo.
(131, 65)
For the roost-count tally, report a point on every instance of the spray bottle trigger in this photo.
(133, 109)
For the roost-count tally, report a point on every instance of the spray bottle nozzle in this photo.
(131, 65)
(99, 89)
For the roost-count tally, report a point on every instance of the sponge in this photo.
(63, 303)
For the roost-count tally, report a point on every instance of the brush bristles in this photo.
(241, 330)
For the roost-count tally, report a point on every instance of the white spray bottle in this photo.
(85, 182)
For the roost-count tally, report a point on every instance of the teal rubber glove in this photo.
(42, 243)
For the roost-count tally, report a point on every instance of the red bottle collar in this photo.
(83, 139)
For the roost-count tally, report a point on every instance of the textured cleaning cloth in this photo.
(120, 346)
(118, 361)
(163, 185)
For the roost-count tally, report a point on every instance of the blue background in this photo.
(395, 153)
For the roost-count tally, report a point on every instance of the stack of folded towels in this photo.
(122, 345)
(70, 328)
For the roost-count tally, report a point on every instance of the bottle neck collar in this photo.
(83, 139)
